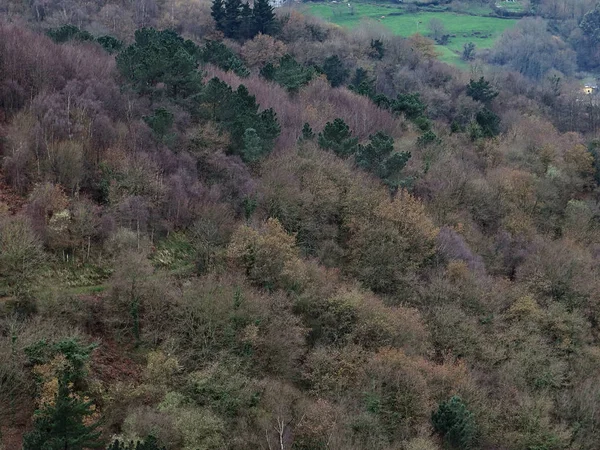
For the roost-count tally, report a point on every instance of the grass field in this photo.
(482, 31)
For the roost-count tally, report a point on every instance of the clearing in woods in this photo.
(473, 26)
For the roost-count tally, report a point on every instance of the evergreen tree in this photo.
(336, 136)
(377, 48)
(334, 69)
(253, 149)
(481, 91)
(61, 424)
(161, 57)
(468, 53)
(264, 17)
(247, 23)
(110, 44)
(307, 133)
(69, 33)
(377, 157)
(362, 83)
(217, 11)
(455, 423)
(232, 20)
(590, 25)
(488, 122)
(289, 73)
(409, 104)
(217, 53)
(150, 443)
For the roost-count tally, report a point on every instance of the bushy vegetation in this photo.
(301, 238)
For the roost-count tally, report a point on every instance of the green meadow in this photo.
(482, 30)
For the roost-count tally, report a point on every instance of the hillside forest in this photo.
(229, 226)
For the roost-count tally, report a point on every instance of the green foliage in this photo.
(150, 443)
(594, 149)
(161, 61)
(237, 112)
(334, 69)
(60, 424)
(264, 18)
(378, 157)
(336, 136)
(238, 21)
(468, 53)
(455, 423)
(377, 48)
(160, 122)
(253, 149)
(410, 104)
(590, 25)
(362, 83)
(217, 53)
(488, 122)
(307, 133)
(427, 138)
(110, 43)
(68, 33)
(481, 91)
(288, 73)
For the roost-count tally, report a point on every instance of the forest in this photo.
(225, 225)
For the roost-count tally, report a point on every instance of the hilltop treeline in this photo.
(309, 239)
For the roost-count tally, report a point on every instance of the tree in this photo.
(253, 149)
(217, 11)
(217, 53)
(161, 57)
(377, 157)
(232, 19)
(455, 423)
(481, 91)
(160, 122)
(335, 71)
(488, 122)
(362, 83)
(410, 104)
(377, 48)
(336, 136)
(468, 53)
(21, 256)
(437, 29)
(288, 73)
(110, 44)
(68, 33)
(61, 425)
(63, 420)
(590, 25)
(150, 443)
(307, 133)
(264, 18)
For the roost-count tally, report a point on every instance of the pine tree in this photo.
(336, 136)
(455, 423)
(335, 71)
(217, 11)
(481, 90)
(61, 423)
(233, 18)
(264, 17)
(61, 426)
(307, 133)
(377, 157)
(150, 443)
